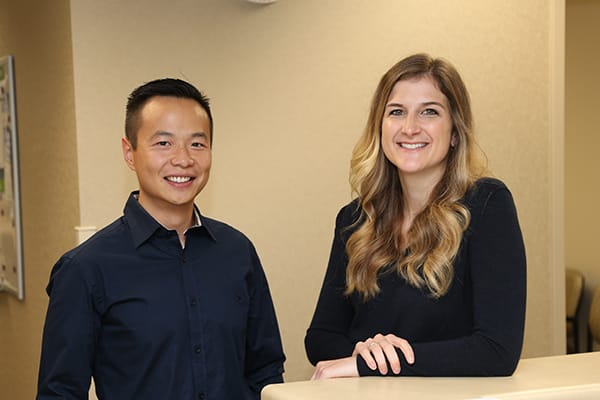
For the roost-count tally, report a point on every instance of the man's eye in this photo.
(198, 144)
(162, 143)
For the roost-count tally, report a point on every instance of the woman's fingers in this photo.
(391, 355)
(364, 349)
(338, 368)
(404, 346)
(374, 347)
(380, 351)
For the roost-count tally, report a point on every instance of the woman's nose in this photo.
(411, 125)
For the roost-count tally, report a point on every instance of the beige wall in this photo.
(290, 85)
(38, 35)
(582, 140)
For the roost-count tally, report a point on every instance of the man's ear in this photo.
(128, 153)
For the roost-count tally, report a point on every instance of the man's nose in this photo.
(182, 157)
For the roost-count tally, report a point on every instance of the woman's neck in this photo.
(416, 195)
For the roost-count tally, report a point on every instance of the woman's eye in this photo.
(430, 111)
(396, 112)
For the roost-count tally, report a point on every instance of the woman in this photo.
(427, 269)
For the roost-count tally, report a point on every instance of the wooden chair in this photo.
(594, 320)
(574, 284)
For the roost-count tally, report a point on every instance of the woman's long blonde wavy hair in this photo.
(434, 237)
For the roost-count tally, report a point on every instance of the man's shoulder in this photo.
(108, 239)
(99, 250)
(222, 230)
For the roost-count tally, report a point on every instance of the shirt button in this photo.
(197, 350)
(201, 396)
(193, 302)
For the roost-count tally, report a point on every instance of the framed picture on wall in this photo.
(11, 252)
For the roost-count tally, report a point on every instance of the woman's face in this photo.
(417, 129)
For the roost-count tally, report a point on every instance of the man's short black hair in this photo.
(169, 87)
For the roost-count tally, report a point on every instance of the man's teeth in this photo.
(412, 145)
(179, 179)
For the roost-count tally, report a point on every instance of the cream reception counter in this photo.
(572, 377)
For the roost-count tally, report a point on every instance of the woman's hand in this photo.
(338, 368)
(377, 349)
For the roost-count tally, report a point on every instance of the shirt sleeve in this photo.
(496, 257)
(264, 351)
(327, 336)
(69, 333)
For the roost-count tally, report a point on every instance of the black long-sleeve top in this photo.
(149, 319)
(475, 329)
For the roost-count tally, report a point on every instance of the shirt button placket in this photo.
(194, 303)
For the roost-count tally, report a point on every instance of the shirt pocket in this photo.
(226, 299)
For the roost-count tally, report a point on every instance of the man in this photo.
(164, 303)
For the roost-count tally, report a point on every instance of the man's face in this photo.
(173, 155)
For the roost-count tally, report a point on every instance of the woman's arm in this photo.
(326, 337)
(496, 258)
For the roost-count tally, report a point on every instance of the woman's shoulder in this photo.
(349, 214)
(486, 190)
(483, 188)
(489, 183)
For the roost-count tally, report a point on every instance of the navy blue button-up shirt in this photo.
(150, 320)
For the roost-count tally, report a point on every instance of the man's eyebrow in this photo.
(162, 134)
(158, 134)
(200, 135)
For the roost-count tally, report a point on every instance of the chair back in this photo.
(594, 319)
(573, 290)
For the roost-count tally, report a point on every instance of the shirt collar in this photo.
(143, 225)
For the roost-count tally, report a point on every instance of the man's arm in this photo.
(69, 335)
(264, 352)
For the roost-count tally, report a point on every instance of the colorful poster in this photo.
(11, 254)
